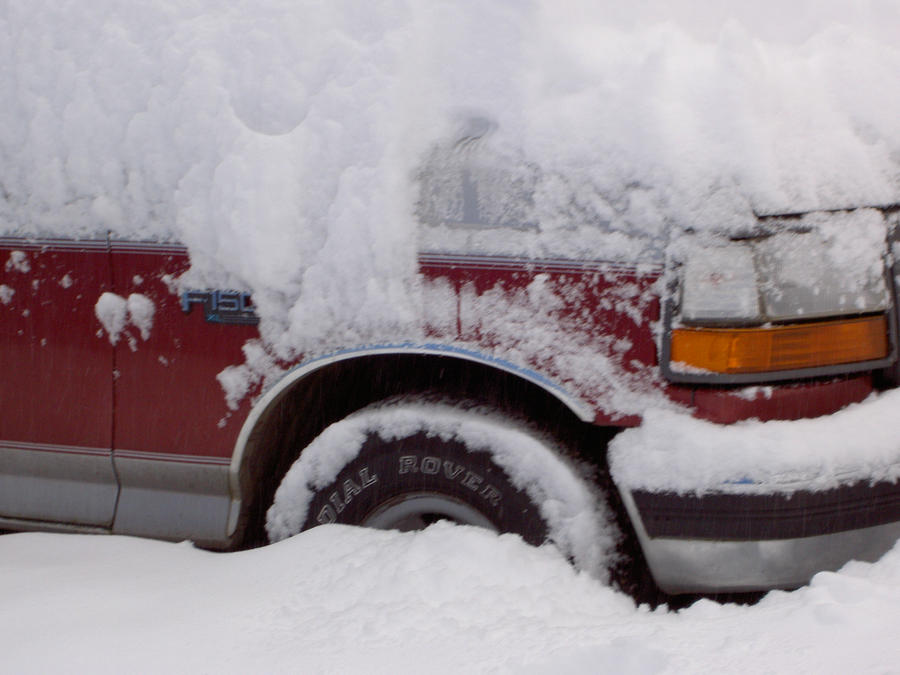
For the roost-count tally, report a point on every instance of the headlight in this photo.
(720, 285)
(804, 276)
(792, 304)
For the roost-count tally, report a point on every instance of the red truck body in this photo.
(119, 431)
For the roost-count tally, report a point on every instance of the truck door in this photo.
(56, 395)
(175, 433)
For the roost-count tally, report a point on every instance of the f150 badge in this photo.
(221, 306)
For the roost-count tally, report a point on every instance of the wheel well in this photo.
(324, 396)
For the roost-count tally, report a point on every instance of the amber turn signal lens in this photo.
(756, 350)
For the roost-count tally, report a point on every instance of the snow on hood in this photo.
(280, 140)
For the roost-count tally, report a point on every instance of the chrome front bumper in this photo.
(691, 548)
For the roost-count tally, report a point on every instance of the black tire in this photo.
(411, 482)
(405, 464)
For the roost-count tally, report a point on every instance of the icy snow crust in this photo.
(572, 511)
(445, 600)
(675, 452)
(286, 144)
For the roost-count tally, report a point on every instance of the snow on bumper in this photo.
(759, 505)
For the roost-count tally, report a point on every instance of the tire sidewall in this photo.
(386, 471)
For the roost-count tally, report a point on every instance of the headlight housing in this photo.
(808, 298)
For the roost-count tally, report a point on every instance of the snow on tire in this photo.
(403, 465)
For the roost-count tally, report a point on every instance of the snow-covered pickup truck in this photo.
(723, 400)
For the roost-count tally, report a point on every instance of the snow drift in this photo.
(444, 600)
(678, 453)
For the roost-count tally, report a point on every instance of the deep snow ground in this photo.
(449, 599)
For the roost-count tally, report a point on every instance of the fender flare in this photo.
(577, 405)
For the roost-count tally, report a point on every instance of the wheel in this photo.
(410, 482)
(405, 465)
